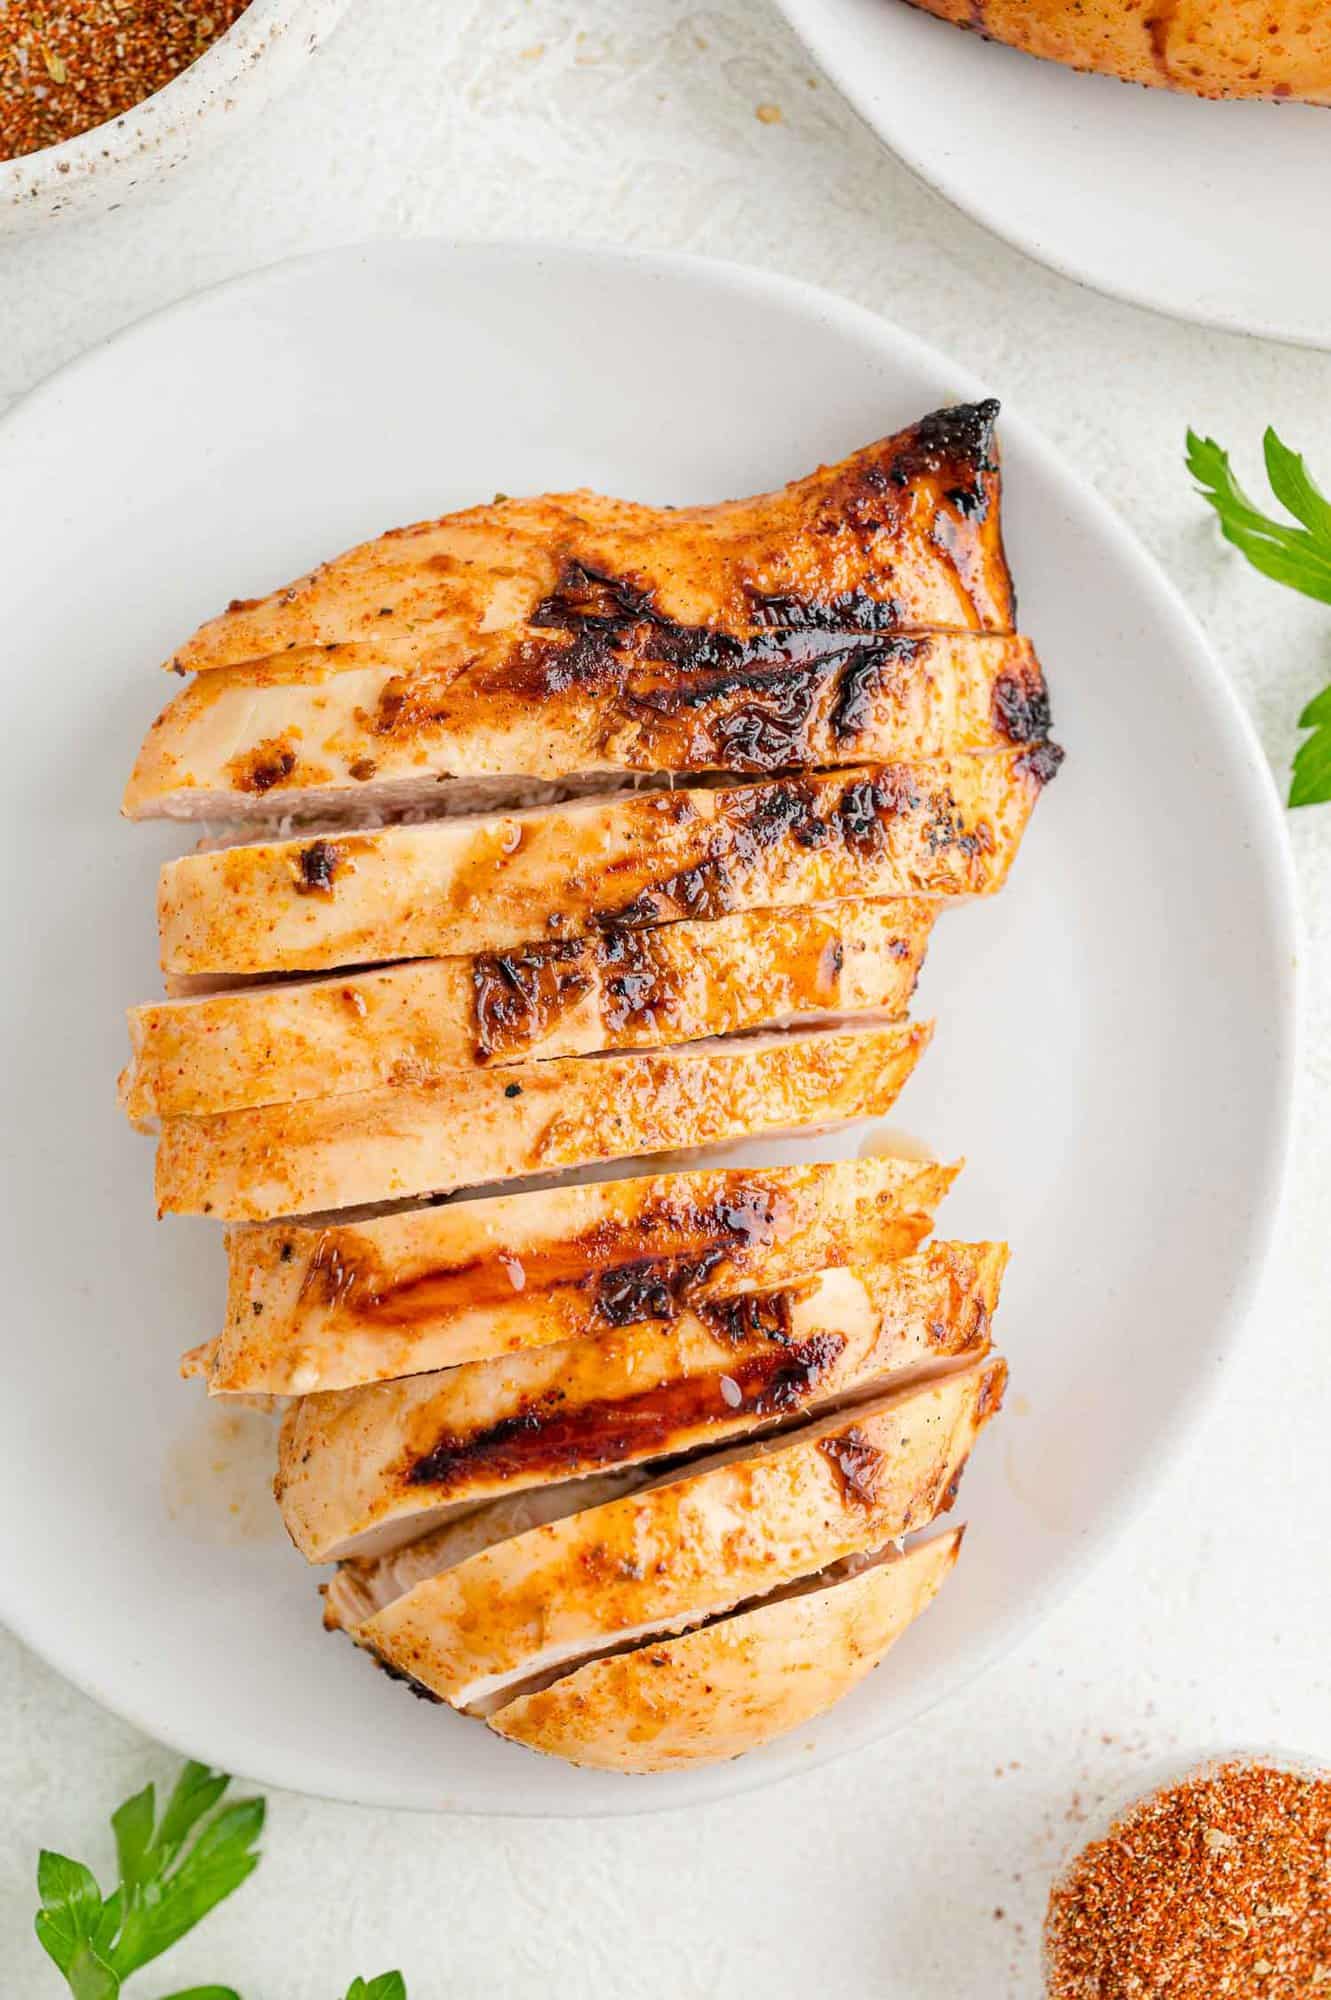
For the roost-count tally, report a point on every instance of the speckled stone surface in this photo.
(919, 1871)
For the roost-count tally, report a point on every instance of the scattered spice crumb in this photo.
(768, 114)
(1218, 1885)
(67, 67)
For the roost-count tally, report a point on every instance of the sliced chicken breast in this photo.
(680, 1553)
(360, 1586)
(472, 1127)
(449, 886)
(739, 1683)
(394, 1455)
(327, 1307)
(903, 533)
(595, 702)
(273, 1044)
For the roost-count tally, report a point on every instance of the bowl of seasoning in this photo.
(1218, 1882)
(99, 96)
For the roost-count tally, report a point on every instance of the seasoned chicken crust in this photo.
(396, 1453)
(471, 1127)
(451, 886)
(678, 1553)
(623, 989)
(324, 1307)
(730, 1687)
(608, 702)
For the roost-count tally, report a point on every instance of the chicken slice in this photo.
(677, 1554)
(904, 533)
(449, 886)
(382, 1461)
(362, 1585)
(589, 705)
(738, 1683)
(273, 1044)
(471, 1127)
(326, 1307)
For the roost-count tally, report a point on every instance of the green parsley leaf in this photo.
(173, 1900)
(388, 1986)
(1299, 557)
(172, 1873)
(132, 1825)
(71, 1911)
(90, 1977)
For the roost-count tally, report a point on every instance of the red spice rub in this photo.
(1220, 1885)
(66, 67)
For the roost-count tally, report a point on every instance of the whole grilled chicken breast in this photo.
(325, 1307)
(738, 1683)
(1213, 48)
(387, 1459)
(406, 1023)
(682, 1552)
(451, 886)
(471, 1127)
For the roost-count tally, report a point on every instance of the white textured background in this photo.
(918, 1872)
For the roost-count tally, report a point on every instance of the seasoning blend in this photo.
(1218, 1885)
(67, 67)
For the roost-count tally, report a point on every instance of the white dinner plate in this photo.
(1115, 1031)
(1213, 212)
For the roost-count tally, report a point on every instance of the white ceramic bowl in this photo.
(242, 70)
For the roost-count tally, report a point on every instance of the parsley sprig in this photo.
(1299, 557)
(173, 1871)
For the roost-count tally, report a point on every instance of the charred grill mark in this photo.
(744, 703)
(749, 1316)
(651, 1289)
(639, 991)
(266, 765)
(551, 1437)
(518, 995)
(849, 611)
(809, 812)
(317, 868)
(856, 1465)
(703, 891)
(408, 1681)
(865, 676)
(954, 443)
(643, 1269)
(584, 595)
(1042, 762)
(1021, 707)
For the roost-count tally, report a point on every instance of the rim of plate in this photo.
(1251, 772)
(805, 16)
